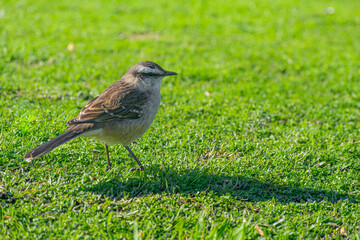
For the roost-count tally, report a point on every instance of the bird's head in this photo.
(150, 72)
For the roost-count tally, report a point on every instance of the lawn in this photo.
(258, 137)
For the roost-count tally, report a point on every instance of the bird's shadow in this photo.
(161, 179)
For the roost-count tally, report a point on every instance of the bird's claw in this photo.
(137, 169)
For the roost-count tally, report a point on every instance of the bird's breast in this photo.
(126, 131)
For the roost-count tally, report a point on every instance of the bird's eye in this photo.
(150, 74)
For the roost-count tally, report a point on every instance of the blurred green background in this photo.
(257, 137)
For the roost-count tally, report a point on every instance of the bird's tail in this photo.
(50, 145)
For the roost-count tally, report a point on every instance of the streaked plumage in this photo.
(120, 114)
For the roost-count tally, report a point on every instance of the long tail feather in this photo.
(50, 145)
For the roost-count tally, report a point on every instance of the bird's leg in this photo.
(136, 159)
(108, 158)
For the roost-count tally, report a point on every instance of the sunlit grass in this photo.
(258, 135)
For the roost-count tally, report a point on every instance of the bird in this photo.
(121, 114)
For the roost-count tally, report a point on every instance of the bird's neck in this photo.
(147, 85)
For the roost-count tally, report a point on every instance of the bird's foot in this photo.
(109, 168)
(137, 169)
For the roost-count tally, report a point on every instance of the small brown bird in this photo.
(120, 114)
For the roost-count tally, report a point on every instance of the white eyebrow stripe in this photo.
(143, 69)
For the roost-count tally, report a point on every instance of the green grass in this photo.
(259, 134)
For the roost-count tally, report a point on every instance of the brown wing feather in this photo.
(118, 101)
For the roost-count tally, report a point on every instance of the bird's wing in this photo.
(119, 101)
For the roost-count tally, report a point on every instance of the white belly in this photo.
(122, 132)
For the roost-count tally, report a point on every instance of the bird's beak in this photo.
(169, 73)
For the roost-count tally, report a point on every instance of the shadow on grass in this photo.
(161, 179)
